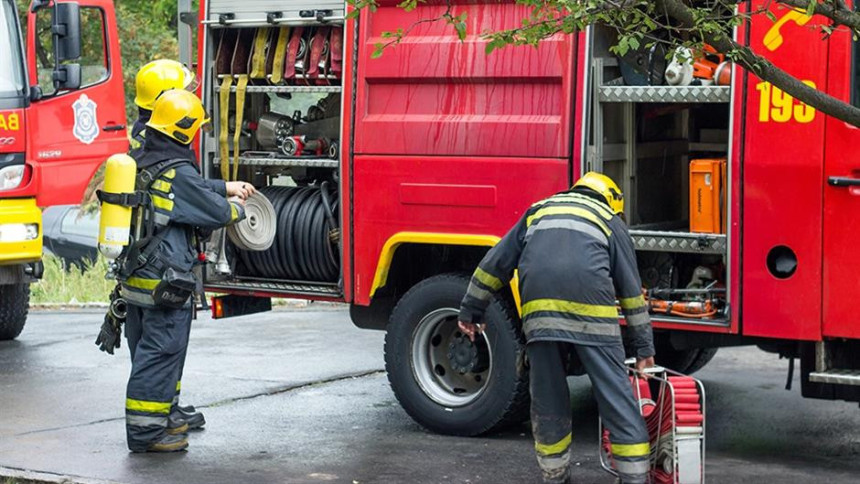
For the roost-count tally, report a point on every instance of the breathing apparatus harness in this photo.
(149, 230)
(149, 226)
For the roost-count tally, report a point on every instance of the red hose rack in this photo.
(675, 420)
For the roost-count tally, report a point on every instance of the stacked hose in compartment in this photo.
(305, 246)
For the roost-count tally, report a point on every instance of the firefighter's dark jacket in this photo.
(574, 260)
(184, 203)
(138, 133)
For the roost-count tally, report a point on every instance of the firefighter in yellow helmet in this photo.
(156, 275)
(574, 258)
(153, 79)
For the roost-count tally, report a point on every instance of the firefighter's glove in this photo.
(110, 334)
(111, 331)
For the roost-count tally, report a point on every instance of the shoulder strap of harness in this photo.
(148, 175)
(141, 250)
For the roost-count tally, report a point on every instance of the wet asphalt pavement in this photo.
(300, 397)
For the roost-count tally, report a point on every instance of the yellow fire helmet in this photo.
(179, 114)
(159, 76)
(605, 187)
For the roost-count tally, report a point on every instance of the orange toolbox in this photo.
(707, 195)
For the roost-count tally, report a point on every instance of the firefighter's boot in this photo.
(176, 425)
(564, 478)
(168, 443)
(189, 415)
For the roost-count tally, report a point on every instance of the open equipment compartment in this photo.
(273, 79)
(664, 136)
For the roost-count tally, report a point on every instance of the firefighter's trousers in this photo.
(133, 332)
(551, 412)
(158, 342)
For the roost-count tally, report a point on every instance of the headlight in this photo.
(18, 232)
(11, 177)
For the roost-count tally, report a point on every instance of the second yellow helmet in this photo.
(179, 114)
(158, 76)
(605, 187)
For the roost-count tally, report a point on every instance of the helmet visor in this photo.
(192, 80)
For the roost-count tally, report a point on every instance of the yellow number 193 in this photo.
(778, 106)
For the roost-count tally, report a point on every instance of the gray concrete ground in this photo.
(299, 396)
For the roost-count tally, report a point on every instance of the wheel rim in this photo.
(450, 369)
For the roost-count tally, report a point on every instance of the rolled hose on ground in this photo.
(303, 249)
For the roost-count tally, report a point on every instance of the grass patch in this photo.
(72, 285)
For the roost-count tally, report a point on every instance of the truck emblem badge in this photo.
(86, 125)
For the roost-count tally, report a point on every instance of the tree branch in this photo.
(764, 69)
(838, 15)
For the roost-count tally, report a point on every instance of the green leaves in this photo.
(459, 23)
(810, 8)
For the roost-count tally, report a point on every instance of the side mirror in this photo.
(66, 29)
(67, 77)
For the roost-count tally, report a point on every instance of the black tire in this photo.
(14, 304)
(686, 361)
(501, 394)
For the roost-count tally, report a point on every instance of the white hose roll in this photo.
(257, 231)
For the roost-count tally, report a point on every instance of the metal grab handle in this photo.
(843, 181)
(113, 127)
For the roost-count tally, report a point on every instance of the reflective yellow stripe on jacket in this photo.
(162, 185)
(162, 203)
(634, 302)
(569, 307)
(488, 279)
(575, 211)
(580, 199)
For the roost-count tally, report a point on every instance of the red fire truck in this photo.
(61, 115)
(391, 177)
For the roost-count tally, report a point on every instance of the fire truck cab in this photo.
(391, 177)
(61, 115)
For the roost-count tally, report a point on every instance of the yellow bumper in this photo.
(20, 231)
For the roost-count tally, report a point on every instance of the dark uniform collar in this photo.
(159, 147)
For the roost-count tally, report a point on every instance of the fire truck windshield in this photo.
(11, 62)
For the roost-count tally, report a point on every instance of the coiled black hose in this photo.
(304, 249)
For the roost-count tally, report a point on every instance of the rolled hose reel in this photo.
(305, 246)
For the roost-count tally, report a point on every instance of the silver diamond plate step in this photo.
(285, 288)
(285, 162)
(836, 377)
(686, 242)
(664, 94)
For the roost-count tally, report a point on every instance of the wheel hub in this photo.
(462, 354)
(451, 370)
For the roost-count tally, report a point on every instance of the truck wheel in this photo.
(14, 303)
(442, 380)
(687, 361)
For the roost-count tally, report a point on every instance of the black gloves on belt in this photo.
(111, 331)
